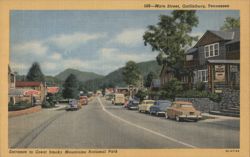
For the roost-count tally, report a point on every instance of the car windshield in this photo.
(163, 106)
(186, 105)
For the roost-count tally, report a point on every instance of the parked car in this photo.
(133, 105)
(119, 99)
(159, 107)
(109, 96)
(83, 100)
(180, 110)
(145, 105)
(73, 105)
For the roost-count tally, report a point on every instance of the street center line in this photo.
(146, 129)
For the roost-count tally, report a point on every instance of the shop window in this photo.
(211, 50)
(202, 75)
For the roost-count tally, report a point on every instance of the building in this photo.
(36, 89)
(214, 60)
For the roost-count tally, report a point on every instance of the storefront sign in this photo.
(31, 92)
(219, 73)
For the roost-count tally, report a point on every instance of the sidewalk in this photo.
(219, 116)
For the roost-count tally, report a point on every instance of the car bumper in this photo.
(190, 116)
(133, 108)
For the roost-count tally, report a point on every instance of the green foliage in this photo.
(169, 37)
(172, 88)
(46, 104)
(151, 75)
(116, 77)
(214, 97)
(51, 99)
(19, 106)
(71, 86)
(35, 73)
(200, 94)
(141, 94)
(80, 75)
(200, 86)
(131, 73)
(231, 23)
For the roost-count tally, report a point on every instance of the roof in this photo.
(231, 36)
(224, 61)
(226, 35)
(156, 83)
(183, 102)
(192, 50)
(27, 84)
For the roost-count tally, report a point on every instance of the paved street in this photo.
(103, 125)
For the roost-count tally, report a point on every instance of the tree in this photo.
(131, 73)
(172, 88)
(151, 75)
(231, 23)
(141, 94)
(35, 73)
(171, 36)
(71, 86)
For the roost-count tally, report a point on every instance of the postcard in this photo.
(124, 78)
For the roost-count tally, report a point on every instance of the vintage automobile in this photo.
(181, 110)
(73, 105)
(133, 105)
(159, 107)
(145, 105)
(119, 99)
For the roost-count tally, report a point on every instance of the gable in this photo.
(208, 38)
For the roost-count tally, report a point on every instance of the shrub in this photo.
(19, 106)
(141, 94)
(200, 86)
(215, 97)
(171, 89)
(200, 94)
(46, 104)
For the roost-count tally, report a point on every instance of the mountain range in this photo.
(92, 81)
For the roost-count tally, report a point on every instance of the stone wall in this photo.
(230, 98)
(201, 104)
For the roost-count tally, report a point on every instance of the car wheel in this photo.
(166, 115)
(177, 118)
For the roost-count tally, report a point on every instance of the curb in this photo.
(25, 111)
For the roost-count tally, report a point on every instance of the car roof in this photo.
(148, 100)
(183, 102)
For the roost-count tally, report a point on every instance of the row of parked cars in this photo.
(178, 110)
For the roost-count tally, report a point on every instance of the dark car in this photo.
(159, 107)
(133, 105)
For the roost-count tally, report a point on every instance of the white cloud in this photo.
(56, 56)
(19, 67)
(70, 41)
(130, 37)
(33, 47)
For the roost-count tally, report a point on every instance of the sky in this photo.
(89, 40)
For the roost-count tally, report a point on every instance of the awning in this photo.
(224, 61)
